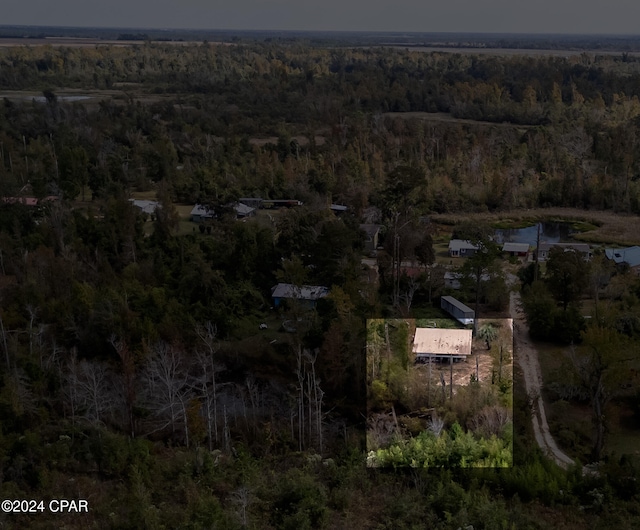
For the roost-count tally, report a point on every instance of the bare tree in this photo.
(407, 297)
(88, 390)
(310, 399)
(242, 498)
(435, 425)
(167, 393)
(206, 381)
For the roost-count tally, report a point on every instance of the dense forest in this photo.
(135, 369)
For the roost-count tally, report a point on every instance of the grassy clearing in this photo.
(511, 224)
(149, 195)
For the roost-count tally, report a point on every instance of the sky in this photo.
(482, 16)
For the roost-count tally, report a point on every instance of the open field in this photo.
(505, 51)
(610, 228)
(72, 42)
(448, 118)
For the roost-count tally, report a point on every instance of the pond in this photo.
(550, 232)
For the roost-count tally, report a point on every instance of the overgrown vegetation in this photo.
(142, 364)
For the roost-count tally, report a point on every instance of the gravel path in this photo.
(527, 357)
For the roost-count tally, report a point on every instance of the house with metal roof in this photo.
(242, 210)
(516, 249)
(308, 294)
(442, 344)
(459, 248)
(629, 256)
(201, 213)
(583, 248)
(148, 207)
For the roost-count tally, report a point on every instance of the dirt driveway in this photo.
(527, 357)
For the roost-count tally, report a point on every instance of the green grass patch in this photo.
(438, 322)
(583, 226)
(186, 227)
(512, 224)
(149, 195)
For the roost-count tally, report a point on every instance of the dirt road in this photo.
(527, 357)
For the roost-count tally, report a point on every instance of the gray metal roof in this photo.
(515, 247)
(202, 211)
(302, 292)
(459, 244)
(146, 206)
(580, 247)
(457, 304)
(629, 255)
(243, 209)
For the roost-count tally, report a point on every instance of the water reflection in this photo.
(550, 232)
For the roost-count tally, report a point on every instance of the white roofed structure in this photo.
(439, 344)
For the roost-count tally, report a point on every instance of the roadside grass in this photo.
(149, 195)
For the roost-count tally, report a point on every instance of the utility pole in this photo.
(535, 267)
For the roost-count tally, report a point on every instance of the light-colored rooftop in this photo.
(580, 247)
(629, 255)
(148, 207)
(459, 244)
(515, 247)
(202, 211)
(243, 210)
(436, 341)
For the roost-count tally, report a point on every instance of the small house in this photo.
(545, 248)
(307, 294)
(243, 211)
(516, 249)
(148, 207)
(442, 344)
(201, 213)
(459, 248)
(462, 313)
(629, 256)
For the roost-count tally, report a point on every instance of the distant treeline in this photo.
(619, 43)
